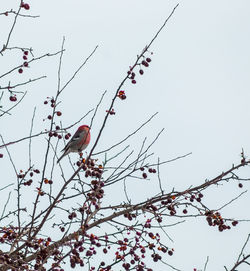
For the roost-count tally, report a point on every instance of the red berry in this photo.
(133, 81)
(1, 155)
(59, 137)
(49, 117)
(144, 175)
(45, 102)
(25, 64)
(26, 53)
(13, 98)
(141, 72)
(184, 211)
(66, 137)
(20, 70)
(26, 6)
(240, 185)
(148, 59)
(59, 113)
(25, 57)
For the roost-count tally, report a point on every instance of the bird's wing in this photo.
(76, 137)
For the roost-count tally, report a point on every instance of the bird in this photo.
(78, 142)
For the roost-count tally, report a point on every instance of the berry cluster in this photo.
(40, 191)
(25, 179)
(131, 74)
(51, 100)
(46, 181)
(111, 112)
(25, 63)
(90, 168)
(72, 215)
(8, 234)
(121, 95)
(129, 216)
(25, 6)
(197, 197)
(55, 133)
(215, 219)
(150, 170)
(97, 191)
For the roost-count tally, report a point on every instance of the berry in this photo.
(170, 252)
(13, 98)
(25, 58)
(25, 64)
(49, 117)
(59, 113)
(234, 223)
(144, 63)
(1, 155)
(141, 72)
(148, 59)
(45, 102)
(240, 185)
(26, 53)
(144, 175)
(133, 81)
(26, 6)
(20, 70)
(184, 211)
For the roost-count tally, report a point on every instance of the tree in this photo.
(65, 214)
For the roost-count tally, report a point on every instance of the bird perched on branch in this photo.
(78, 142)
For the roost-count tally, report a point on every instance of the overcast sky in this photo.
(198, 81)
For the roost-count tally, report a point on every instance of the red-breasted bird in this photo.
(78, 142)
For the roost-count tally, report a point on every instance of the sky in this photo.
(198, 81)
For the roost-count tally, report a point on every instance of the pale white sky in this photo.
(198, 81)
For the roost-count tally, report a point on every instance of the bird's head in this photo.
(84, 128)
